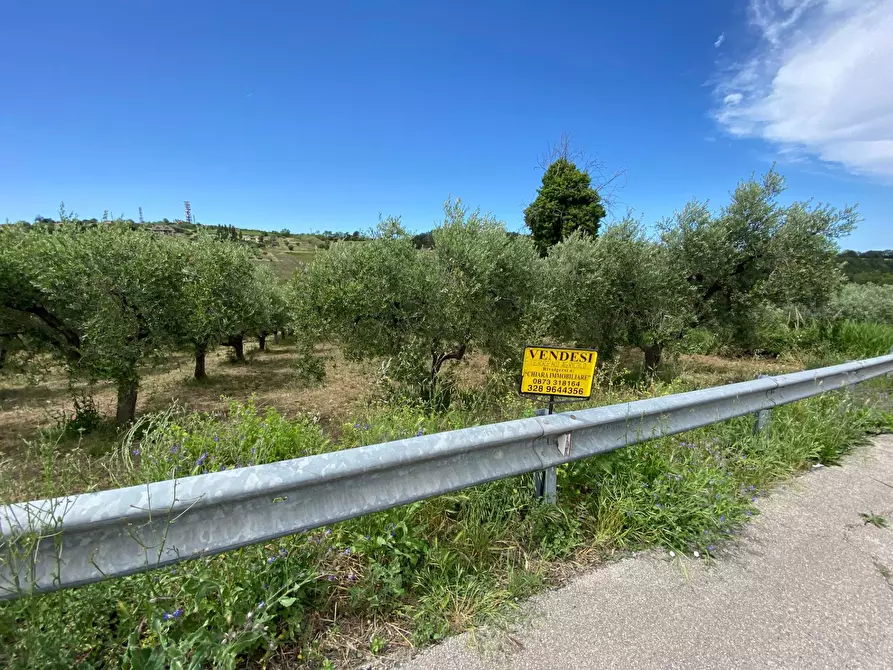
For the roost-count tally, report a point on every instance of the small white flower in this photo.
(697, 555)
(672, 554)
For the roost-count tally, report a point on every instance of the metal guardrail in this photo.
(66, 542)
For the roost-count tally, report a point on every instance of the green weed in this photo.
(874, 519)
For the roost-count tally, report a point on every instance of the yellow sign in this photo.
(564, 372)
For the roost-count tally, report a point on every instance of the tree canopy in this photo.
(420, 308)
(565, 203)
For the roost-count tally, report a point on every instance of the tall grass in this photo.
(863, 339)
(419, 572)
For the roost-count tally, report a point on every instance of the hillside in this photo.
(286, 251)
(868, 267)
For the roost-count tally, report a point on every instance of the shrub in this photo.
(864, 302)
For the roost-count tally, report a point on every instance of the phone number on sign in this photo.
(556, 390)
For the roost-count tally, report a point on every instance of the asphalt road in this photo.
(809, 585)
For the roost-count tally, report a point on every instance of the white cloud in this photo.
(820, 82)
(720, 40)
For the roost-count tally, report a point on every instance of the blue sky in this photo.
(325, 115)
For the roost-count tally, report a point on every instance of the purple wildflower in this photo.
(173, 615)
(135, 452)
(216, 439)
(711, 548)
(201, 459)
(270, 560)
(420, 433)
(261, 604)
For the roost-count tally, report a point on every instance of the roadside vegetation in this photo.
(389, 336)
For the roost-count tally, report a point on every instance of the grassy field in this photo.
(26, 408)
(386, 584)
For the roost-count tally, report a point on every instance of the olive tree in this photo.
(755, 253)
(271, 313)
(420, 308)
(261, 313)
(100, 298)
(217, 299)
(615, 290)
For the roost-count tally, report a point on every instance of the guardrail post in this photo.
(762, 417)
(545, 482)
(851, 386)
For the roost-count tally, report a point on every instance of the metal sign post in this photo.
(545, 482)
(556, 372)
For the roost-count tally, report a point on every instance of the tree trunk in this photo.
(200, 351)
(276, 337)
(653, 354)
(238, 346)
(262, 342)
(437, 361)
(126, 409)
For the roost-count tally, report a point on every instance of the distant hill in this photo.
(286, 251)
(868, 267)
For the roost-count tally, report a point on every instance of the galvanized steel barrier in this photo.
(66, 542)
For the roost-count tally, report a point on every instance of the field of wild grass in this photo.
(386, 583)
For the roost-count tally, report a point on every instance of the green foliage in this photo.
(270, 311)
(617, 289)
(864, 302)
(861, 340)
(422, 308)
(755, 253)
(875, 520)
(99, 297)
(565, 202)
(216, 296)
(868, 267)
(177, 443)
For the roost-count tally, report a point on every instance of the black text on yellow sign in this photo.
(563, 372)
